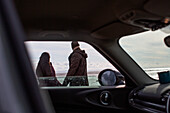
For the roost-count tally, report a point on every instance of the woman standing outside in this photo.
(46, 71)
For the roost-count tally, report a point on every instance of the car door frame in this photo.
(21, 87)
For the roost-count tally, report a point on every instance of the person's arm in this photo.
(66, 81)
(74, 64)
(52, 70)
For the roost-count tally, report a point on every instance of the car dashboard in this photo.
(151, 98)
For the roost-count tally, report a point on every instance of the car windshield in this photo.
(148, 51)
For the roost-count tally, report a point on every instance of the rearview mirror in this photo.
(109, 77)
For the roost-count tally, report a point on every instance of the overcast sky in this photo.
(148, 49)
(59, 52)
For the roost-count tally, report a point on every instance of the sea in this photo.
(93, 75)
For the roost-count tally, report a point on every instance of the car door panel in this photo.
(73, 99)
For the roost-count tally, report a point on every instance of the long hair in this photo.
(45, 57)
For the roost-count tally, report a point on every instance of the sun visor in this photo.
(158, 7)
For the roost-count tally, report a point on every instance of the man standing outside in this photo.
(77, 73)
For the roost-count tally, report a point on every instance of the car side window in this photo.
(70, 64)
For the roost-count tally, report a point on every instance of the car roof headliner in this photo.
(102, 18)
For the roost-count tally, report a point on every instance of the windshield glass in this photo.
(149, 51)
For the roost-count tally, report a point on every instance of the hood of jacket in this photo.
(82, 52)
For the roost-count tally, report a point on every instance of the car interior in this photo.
(101, 24)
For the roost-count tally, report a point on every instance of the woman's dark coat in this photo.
(45, 69)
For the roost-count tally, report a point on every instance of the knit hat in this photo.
(74, 44)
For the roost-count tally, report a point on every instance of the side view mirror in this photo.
(167, 41)
(109, 77)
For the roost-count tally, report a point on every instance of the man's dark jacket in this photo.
(77, 73)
